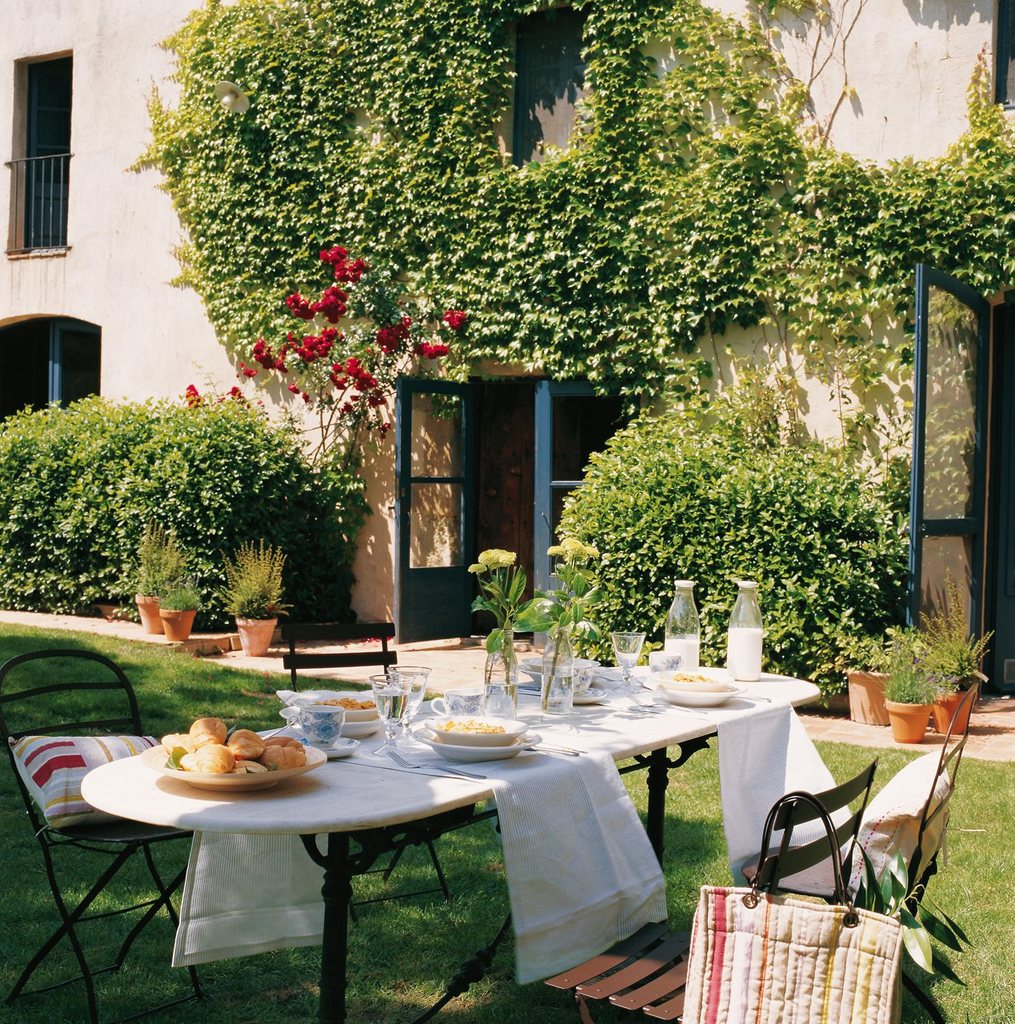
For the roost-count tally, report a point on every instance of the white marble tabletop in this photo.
(363, 792)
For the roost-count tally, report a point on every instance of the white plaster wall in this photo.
(121, 229)
(909, 62)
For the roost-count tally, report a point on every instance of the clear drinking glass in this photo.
(412, 679)
(627, 649)
(392, 702)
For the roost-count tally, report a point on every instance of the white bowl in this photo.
(510, 728)
(716, 693)
(310, 697)
(473, 754)
(702, 680)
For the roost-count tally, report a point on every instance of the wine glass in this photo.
(627, 649)
(391, 701)
(412, 680)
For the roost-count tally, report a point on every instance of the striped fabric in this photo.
(791, 961)
(52, 768)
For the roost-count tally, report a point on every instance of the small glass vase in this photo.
(500, 678)
(557, 696)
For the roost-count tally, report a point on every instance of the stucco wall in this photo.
(121, 229)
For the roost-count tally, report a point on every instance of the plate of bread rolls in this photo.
(211, 756)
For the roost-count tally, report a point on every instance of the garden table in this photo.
(371, 811)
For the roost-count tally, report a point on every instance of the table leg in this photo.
(658, 780)
(337, 894)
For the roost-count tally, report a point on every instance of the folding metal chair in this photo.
(648, 971)
(101, 705)
(296, 634)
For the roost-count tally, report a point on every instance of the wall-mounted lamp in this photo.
(232, 97)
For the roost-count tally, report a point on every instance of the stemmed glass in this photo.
(627, 649)
(391, 701)
(412, 679)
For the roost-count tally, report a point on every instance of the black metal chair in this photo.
(297, 634)
(648, 971)
(103, 704)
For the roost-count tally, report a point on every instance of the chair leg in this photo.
(440, 871)
(923, 999)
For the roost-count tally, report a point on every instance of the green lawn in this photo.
(402, 952)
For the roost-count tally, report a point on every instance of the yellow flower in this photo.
(556, 551)
(496, 558)
(573, 550)
(477, 567)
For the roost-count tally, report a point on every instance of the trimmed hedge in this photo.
(78, 485)
(687, 496)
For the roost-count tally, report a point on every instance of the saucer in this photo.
(342, 747)
(593, 695)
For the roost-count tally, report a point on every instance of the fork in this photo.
(401, 762)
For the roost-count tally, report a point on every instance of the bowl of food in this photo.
(359, 707)
(470, 731)
(705, 687)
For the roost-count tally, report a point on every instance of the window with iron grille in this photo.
(1006, 52)
(549, 81)
(41, 179)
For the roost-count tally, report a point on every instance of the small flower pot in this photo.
(255, 636)
(908, 721)
(944, 709)
(867, 698)
(177, 625)
(148, 609)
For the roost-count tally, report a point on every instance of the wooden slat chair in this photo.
(296, 634)
(647, 972)
(73, 714)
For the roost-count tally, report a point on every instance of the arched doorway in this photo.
(46, 360)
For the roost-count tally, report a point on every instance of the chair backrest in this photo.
(296, 633)
(934, 815)
(789, 860)
(62, 692)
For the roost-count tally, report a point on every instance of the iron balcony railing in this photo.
(40, 187)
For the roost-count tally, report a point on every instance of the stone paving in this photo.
(455, 664)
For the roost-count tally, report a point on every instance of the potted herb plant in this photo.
(161, 562)
(909, 692)
(253, 594)
(177, 607)
(953, 657)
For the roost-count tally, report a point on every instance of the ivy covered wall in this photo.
(688, 202)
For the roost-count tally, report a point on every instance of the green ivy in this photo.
(688, 202)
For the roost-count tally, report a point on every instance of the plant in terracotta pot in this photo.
(253, 594)
(868, 658)
(953, 656)
(161, 563)
(909, 691)
(177, 607)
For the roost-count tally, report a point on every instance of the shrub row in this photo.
(78, 485)
(687, 496)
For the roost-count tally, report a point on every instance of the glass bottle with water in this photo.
(743, 647)
(557, 696)
(683, 628)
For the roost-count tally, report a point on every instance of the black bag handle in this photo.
(841, 893)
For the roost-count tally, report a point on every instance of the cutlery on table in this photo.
(403, 763)
(550, 749)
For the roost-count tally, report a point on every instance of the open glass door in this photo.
(949, 443)
(433, 510)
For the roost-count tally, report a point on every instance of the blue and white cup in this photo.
(321, 724)
(458, 702)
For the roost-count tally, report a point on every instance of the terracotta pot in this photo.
(148, 609)
(908, 721)
(255, 636)
(177, 625)
(944, 709)
(867, 697)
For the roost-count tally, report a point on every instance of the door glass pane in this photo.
(950, 408)
(435, 527)
(436, 435)
(581, 425)
(79, 365)
(944, 556)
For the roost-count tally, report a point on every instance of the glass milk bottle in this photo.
(683, 630)
(743, 648)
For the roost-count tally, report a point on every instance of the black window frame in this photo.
(1005, 54)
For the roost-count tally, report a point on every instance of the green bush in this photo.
(79, 485)
(692, 495)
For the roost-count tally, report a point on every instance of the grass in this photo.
(403, 952)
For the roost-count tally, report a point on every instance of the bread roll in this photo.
(213, 758)
(276, 756)
(246, 744)
(208, 730)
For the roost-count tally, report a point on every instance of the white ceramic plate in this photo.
(510, 729)
(474, 755)
(663, 687)
(593, 695)
(156, 758)
(305, 697)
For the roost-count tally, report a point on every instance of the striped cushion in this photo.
(52, 768)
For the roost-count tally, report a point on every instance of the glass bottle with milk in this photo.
(683, 629)
(743, 647)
